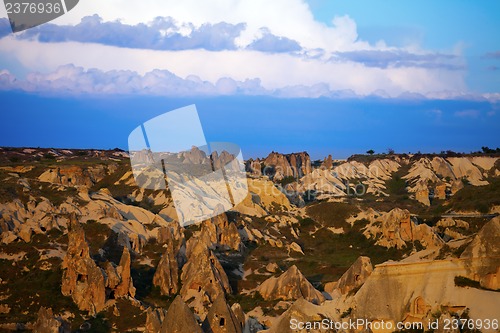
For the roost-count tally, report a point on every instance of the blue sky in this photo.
(324, 76)
(437, 25)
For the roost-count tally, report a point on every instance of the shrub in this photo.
(462, 281)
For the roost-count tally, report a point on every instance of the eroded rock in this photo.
(221, 319)
(180, 319)
(82, 279)
(290, 285)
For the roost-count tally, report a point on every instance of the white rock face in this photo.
(334, 182)
(394, 291)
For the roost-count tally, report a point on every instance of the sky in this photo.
(327, 76)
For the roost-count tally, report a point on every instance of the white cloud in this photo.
(358, 67)
(274, 70)
(292, 19)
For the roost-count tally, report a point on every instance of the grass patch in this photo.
(332, 214)
(477, 198)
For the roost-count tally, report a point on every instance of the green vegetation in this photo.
(477, 198)
(396, 185)
(462, 281)
(28, 285)
(287, 180)
(332, 214)
(328, 255)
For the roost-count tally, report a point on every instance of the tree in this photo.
(487, 150)
(370, 152)
(390, 151)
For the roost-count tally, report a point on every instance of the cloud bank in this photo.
(220, 47)
(72, 80)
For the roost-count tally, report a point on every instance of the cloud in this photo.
(74, 80)
(163, 33)
(270, 43)
(275, 70)
(238, 40)
(291, 19)
(467, 114)
(399, 58)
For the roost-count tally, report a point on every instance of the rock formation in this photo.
(491, 280)
(395, 228)
(74, 175)
(239, 314)
(82, 279)
(221, 319)
(422, 193)
(203, 277)
(440, 192)
(253, 167)
(167, 273)
(290, 285)
(355, 276)
(301, 311)
(154, 319)
(327, 163)
(194, 156)
(47, 323)
(279, 166)
(219, 233)
(125, 287)
(483, 255)
(180, 319)
(395, 291)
